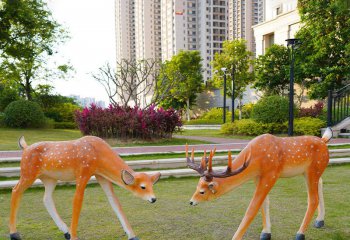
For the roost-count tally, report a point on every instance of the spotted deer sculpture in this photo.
(78, 161)
(264, 160)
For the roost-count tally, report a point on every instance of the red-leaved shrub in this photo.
(314, 111)
(127, 122)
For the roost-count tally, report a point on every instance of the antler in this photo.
(200, 168)
(228, 172)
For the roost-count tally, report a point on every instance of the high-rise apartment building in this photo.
(138, 29)
(243, 14)
(194, 25)
(125, 29)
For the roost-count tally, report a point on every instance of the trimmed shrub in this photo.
(127, 122)
(215, 114)
(313, 111)
(65, 125)
(24, 114)
(308, 126)
(271, 109)
(252, 128)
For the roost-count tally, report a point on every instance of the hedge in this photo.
(126, 122)
(302, 126)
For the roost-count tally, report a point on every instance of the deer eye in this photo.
(201, 192)
(143, 187)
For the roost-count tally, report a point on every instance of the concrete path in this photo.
(219, 143)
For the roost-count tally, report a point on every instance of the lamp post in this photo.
(292, 43)
(233, 94)
(224, 110)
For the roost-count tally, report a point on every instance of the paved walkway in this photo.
(219, 143)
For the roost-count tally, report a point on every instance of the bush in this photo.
(252, 128)
(24, 114)
(247, 110)
(313, 111)
(127, 122)
(271, 109)
(308, 126)
(2, 119)
(216, 114)
(65, 125)
(62, 112)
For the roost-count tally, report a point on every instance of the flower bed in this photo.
(127, 122)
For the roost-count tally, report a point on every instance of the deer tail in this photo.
(22, 143)
(328, 134)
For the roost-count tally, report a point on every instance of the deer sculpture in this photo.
(78, 161)
(264, 160)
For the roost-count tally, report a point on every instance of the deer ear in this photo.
(155, 177)
(127, 178)
(212, 187)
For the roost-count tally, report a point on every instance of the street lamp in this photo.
(233, 94)
(293, 43)
(224, 110)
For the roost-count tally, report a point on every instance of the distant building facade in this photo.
(282, 21)
(87, 101)
(138, 29)
(243, 14)
(194, 25)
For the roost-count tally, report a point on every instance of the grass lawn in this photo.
(9, 138)
(211, 133)
(171, 217)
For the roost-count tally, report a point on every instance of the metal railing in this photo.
(338, 105)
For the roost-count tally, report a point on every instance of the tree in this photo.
(29, 36)
(237, 60)
(55, 106)
(132, 82)
(8, 94)
(325, 50)
(272, 71)
(184, 73)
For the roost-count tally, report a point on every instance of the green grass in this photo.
(211, 133)
(171, 217)
(9, 138)
(345, 146)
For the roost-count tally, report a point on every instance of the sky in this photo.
(92, 44)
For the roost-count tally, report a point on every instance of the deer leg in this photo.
(17, 193)
(114, 202)
(321, 209)
(77, 204)
(312, 181)
(265, 212)
(262, 189)
(49, 203)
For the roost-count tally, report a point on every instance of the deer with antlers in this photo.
(78, 161)
(264, 160)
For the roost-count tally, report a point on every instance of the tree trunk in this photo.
(28, 90)
(188, 109)
(240, 109)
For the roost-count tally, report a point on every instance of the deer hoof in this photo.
(319, 224)
(265, 236)
(15, 236)
(134, 238)
(67, 236)
(300, 236)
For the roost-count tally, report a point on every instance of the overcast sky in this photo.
(91, 27)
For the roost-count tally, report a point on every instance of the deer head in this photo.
(212, 183)
(141, 184)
